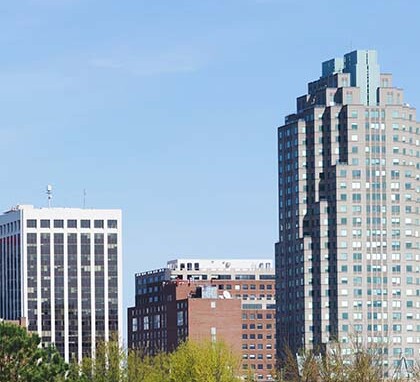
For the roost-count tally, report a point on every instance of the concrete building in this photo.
(60, 268)
(231, 300)
(348, 260)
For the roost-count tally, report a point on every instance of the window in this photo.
(134, 326)
(45, 223)
(71, 223)
(267, 277)
(58, 223)
(244, 277)
(98, 224)
(31, 223)
(180, 318)
(85, 223)
(156, 321)
(112, 224)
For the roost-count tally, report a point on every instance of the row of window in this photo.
(71, 223)
(257, 316)
(259, 366)
(9, 227)
(383, 303)
(379, 328)
(246, 286)
(257, 356)
(259, 336)
(259, 346)
(257, 326)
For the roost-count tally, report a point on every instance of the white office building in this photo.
(61, 268)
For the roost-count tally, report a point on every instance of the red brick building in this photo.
(212, 300)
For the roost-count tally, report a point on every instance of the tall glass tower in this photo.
(348, 258)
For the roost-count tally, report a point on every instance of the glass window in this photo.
(45, 223)
(58, 223)
(180, 318)
(72, 223)
(98, 224)
(112, 224)
(31, 223)
(85, 223)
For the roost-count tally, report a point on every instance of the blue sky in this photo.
(168, 109)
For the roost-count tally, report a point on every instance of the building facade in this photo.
(229, 300)
(60, 268)
(348, 260)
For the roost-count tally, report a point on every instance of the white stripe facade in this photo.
(61, 269)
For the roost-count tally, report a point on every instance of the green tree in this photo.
(144, 368)
(108, 365)
(22, 359)
(190, 362)
(206, 361)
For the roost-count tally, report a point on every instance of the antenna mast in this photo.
(49, 195)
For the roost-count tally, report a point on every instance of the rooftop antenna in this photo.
(84, 198)
(49, 195)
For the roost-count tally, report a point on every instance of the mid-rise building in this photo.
(60, 268)
(229, 300)
(348, 260)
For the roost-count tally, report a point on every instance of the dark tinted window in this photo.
(58, 223)
(98, 224)
(85, 223)
(112, 224)
(31, 223)
(45, 223)
(71, 223)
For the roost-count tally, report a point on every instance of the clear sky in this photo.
(168, 109)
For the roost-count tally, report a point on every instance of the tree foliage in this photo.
(22, 359)
(196, 362)
(191, 362)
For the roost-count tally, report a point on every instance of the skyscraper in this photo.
(348, 259)
(60, 268)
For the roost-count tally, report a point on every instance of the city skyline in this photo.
(169, 113)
